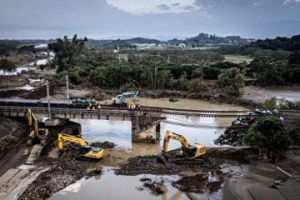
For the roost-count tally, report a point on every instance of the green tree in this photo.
(267, 71)
(66, 51)
(7, 66)
(269, 135)
(294, 58)
(230, 81)
(154, 63)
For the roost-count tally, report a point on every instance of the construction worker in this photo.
(99, 107)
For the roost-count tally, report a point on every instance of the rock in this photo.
(192, 183)
(145, 179)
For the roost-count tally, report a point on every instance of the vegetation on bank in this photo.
(281, 104)
(279, 48)
(187, 70)
(269, 136)
(7, 66)
(167, 69)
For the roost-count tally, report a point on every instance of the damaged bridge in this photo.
(144, 126)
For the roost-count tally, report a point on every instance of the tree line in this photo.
(159, 70)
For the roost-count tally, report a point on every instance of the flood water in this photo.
(111, 186)
(195, 129)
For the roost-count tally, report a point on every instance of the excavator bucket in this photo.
(161, 159)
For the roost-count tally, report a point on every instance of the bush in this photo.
(270, 104)
(295, 136)
(195, 85)
(269, 135)
(230, 81)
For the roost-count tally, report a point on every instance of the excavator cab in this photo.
(85, 150)
(188, 153)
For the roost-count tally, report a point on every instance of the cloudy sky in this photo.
(161, 19)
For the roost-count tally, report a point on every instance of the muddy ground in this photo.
(217, 169)
(64, 170)
(20, 59)
(259, 94)
(13, 134)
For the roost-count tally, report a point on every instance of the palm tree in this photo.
(67, 50)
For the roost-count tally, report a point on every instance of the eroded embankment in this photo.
(65, 170)
(12, 136)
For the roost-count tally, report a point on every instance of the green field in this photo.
(238, 59)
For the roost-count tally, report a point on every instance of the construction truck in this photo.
(132, 104)
(188, 154)
(85, 150)
(36, 135)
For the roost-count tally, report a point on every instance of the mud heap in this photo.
(210, 161)
(104, 145)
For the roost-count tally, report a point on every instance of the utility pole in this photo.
(67, 80)
(48, 97)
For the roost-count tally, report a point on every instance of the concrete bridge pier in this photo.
(145, 128)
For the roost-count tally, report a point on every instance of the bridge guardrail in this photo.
(68, 110)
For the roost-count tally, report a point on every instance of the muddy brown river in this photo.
(108, 185)
(195, 129)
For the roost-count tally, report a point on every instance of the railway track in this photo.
(144, 110)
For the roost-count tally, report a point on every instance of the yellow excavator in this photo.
(36, 134)
(188, 153)
(85, 151)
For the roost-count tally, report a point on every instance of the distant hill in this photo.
(279, 43)
(204, 39)
(198, 41)
(142, 40)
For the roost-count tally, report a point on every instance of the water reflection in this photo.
(111, 186)
(118, 132)
(194, 129)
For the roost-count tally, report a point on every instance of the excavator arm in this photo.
(33, 122)
(135, 93)
(175, 136)
(64, 137)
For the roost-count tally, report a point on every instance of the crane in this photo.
(85, 151)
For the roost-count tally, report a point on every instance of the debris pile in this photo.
(233, 137)
(156, 187)
(63, 172)
(211, 161)
(149, 165)
(104, 145)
